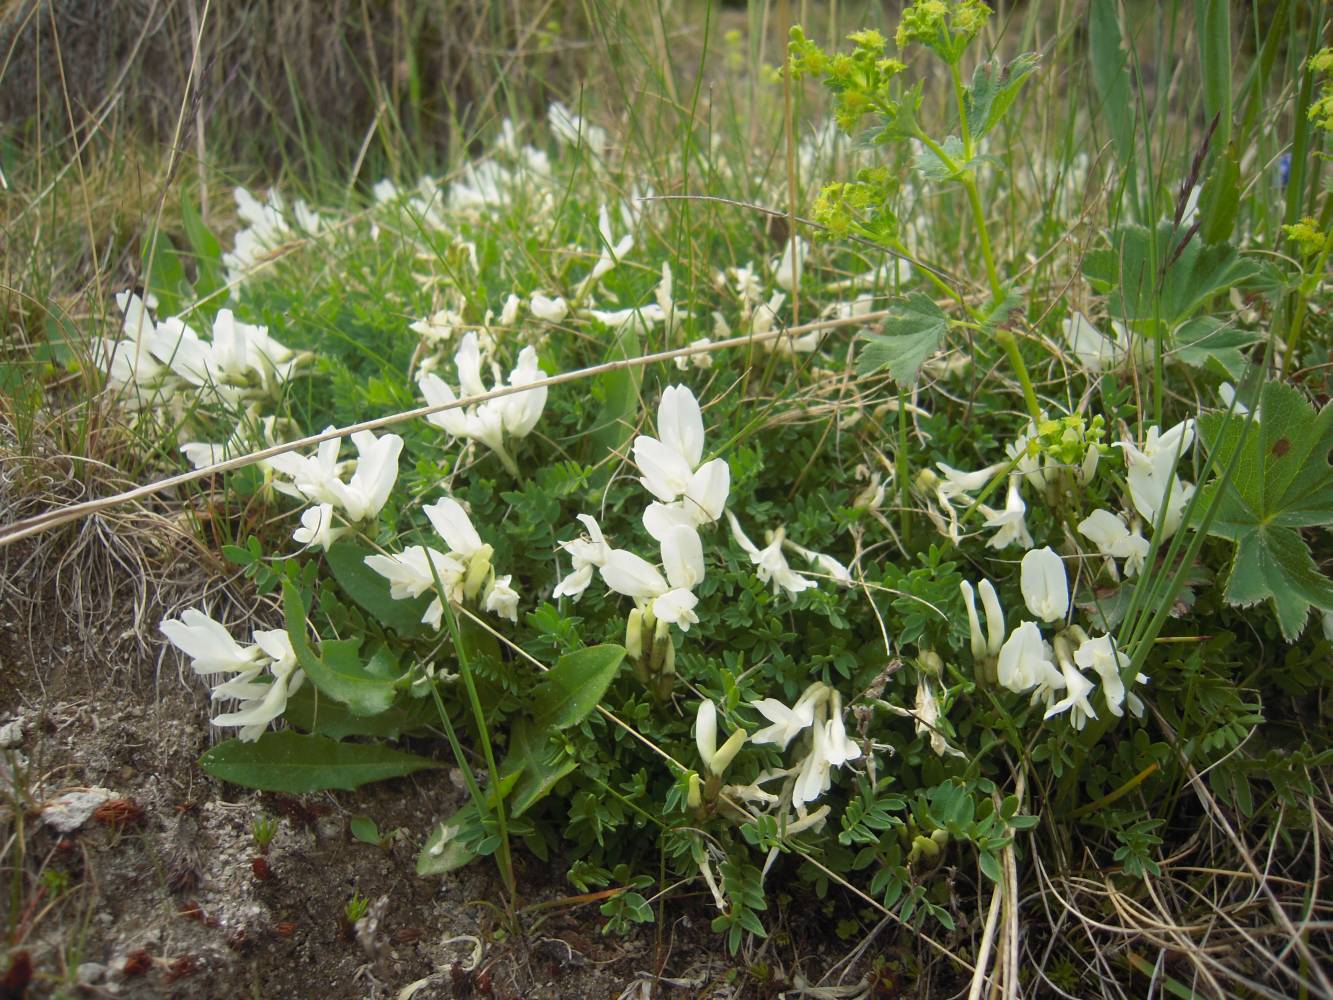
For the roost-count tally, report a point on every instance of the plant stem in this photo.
(1010, 345)
(903, 473)
(465, 668)
(979, 220)
(969, 183)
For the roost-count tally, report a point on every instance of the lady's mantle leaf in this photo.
(913, 331)
(1281, 482)
(297, 764)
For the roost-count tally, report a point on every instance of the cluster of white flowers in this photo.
(153, 360)
(827, 747)
(462, 573)
(689, 493)
(1052, 671)
(1155, 490)
(268, 225)
(490, 422)
(263, 674)
(317, 479)
(771, 565)
(226, 374)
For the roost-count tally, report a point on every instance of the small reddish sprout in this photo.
(137, 963)
(119, 812)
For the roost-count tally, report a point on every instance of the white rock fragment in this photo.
(11, 735)
(71, 810)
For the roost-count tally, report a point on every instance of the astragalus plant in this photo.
(937, 560)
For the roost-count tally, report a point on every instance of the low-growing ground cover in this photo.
(947, 566)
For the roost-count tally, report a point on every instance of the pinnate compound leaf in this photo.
(913, 332)
(298, 764)
(336, 670)
(1281, 482)
(574, 686)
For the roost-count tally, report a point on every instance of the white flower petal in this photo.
(632, 575)
(680, 424)
(1044, 584)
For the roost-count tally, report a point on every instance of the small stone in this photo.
(71, 810)
(328, 828)
(89, 973)
(11, 735)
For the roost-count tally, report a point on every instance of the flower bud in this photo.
(634, 635)
(923, 847)
(979, 647)
(726, 753)
(930, 664)
(661, 643)
(871, 497)
(694, 796)
(478, 569)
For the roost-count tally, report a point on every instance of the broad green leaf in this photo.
(297, 764)
(1219, 202)
(337, 670)
(539, 765)
(309, 711)
(1130, 272)
(1281, 482)
(366, 830)
(1207, 340)
(994, 90)
(164, 275)
(1110, 76)
(347, 563)
(574, 686)
(444, 849)
(912, 333)
(619, 392)
(209, 274)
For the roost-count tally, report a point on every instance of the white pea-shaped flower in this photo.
(1045, 585)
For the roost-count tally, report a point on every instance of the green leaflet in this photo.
(1282, 482)
(297, 764)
